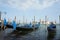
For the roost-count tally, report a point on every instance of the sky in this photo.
(29, 9)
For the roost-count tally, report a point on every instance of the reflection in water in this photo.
(51, 35)
(14, 35)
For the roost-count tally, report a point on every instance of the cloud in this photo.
(26, 4)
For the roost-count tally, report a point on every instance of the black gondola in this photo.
(51, 27)
(25, 27)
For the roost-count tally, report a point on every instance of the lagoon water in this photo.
(40, 34)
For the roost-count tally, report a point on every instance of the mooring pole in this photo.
(15, 19)
(0, 15)
(2, 24)
(19, 21)
(26, 21)
(5, 22)
(34, 23)
(23, 19)
(46, 22)
(59, 19)
(0, 20)
(55, 22)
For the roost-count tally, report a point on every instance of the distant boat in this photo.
(51, 27)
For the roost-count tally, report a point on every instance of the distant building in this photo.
(44, 22)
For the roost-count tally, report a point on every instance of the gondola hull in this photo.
(25, 29)
(22, 28)
(52, 28)
(9, 26)
(0, 24)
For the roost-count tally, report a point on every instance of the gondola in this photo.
(24, 27)
(20, 26)
(28, 27)
(51, 27)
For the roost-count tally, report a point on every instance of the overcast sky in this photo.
(30, 8)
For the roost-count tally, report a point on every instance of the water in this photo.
(39, 34)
